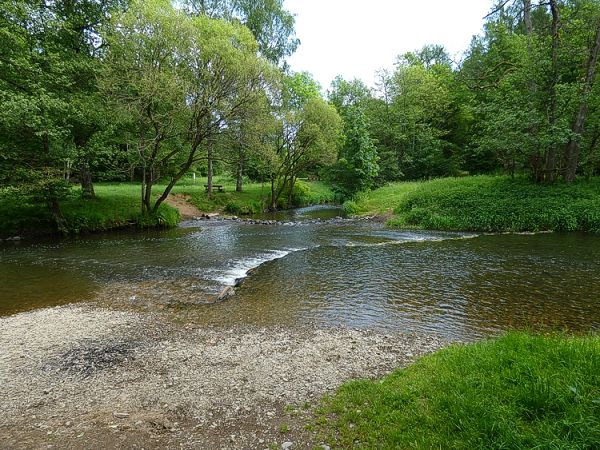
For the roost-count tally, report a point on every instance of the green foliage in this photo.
(51, 113)
(116, 206)
(350, 207)
(243, 209)
(519, 391)
(255, 197)
(271, 24)
(301, 193)
(501, 204)
(486, 203)
(357, 167)
(165, 217)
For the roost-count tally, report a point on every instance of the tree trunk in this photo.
(273, 206)
(291, 194)
(87, 187)
(573, 147)
(550, 167)
(57, 215)
(209, 180)
(591, 149)
(239, 172)
(148, 191)
(527, 17)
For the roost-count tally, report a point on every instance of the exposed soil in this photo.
(182, 203)
(90, 377)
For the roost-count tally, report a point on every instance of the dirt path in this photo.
(182, 203)
(90, 377)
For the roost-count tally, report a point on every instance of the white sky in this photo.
(355, 38)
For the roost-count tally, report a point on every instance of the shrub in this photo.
(350, 207)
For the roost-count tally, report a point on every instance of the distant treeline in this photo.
(153, 90)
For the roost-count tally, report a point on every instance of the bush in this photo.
(350, 207)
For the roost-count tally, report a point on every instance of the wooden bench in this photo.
(218, 187)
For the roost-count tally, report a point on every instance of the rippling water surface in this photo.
(351, 273)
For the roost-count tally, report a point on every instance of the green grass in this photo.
(516, 392)
(384, 199)
(254, 198)
(116, 206)
(488, 203)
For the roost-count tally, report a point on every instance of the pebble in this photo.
(286, 445)
(121, 415)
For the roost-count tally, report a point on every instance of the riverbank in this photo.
(87, 377)
(118, 206)
(519, 391)
(486, 203)
(254, 197)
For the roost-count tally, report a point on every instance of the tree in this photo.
(307, 135)
(270, 23)
(356, 167)
(532, 76)
(181, 81)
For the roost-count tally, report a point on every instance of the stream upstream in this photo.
(337, 272)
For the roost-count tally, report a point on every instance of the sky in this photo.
(356, 38)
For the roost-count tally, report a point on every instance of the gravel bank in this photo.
(83, 377)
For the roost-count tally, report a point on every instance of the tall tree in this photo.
(270, 23)
(573, 146)
(181, 81)
(357, 164)
(307, 135)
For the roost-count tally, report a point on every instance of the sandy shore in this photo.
(89, 377)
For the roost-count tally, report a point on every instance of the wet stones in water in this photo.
(91, 358)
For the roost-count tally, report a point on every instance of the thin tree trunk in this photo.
(148, 191)
(550, 167)
(573, 147)
(291, 194)
(239, 172)
(273, 195)
(527, 17)
(209, 181)
(87, 187)
(57, 215)
(143, 189)
(592, 147)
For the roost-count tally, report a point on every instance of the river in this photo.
(340, 272)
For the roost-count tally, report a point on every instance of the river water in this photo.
(351, 273)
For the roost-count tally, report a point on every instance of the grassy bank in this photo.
(116, 206)
(255, 196)
(487, 203)
(519, 391)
